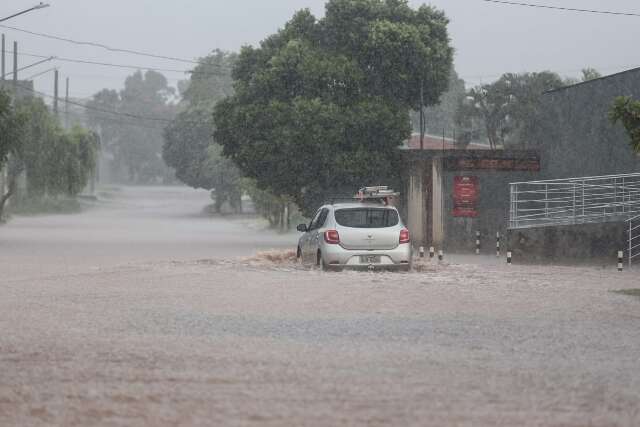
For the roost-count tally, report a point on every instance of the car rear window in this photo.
(367, 217)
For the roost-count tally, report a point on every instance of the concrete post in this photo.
(437, 206)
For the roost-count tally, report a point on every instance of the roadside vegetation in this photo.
(630, 292)
(626, 110)
(43, 165)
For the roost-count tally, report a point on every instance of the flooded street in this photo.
(144, 311)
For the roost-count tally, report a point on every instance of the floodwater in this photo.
(143, 311)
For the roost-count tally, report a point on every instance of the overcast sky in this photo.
(489, 39)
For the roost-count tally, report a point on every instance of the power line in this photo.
(116, 113)
(101, 110)
(116, 121)
(41, 73)
(131, 67)
(566, 9)
(32, 65)
(100, 45)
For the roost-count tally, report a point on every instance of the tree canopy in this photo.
(189, 147)
(12, 125)
(135, 144)
(626, 110)
(509, 108)
(323, 104)
(55, 161)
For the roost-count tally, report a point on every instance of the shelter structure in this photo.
(450, 192)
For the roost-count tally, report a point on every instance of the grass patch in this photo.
(629, 292)
(45, 205)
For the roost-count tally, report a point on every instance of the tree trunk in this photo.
(11, 189)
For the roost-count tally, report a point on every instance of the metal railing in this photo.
(569, 201)
(634, 239)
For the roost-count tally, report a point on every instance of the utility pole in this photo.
(66, 106)
(3, 57)
(3, 177)
(55, 93)
(422, 114)
(15, 68)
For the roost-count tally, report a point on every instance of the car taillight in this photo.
(332, 237)
(404, 236)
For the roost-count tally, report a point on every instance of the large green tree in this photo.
(626, 110)
(322, 105)
(56, 161)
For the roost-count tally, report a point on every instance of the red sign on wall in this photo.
(466, 190)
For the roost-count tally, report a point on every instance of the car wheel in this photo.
(323, 266)
(298, 256)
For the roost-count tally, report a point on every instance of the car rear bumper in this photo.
(335, 256)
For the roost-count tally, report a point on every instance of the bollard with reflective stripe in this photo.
(432, 252)
(509, 257)
(421, 251)
(477, 243)
(440, 255)
(620, 260)
(498, 244)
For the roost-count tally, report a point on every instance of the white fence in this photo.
(609, 198)
(634, 239)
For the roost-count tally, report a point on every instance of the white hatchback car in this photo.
(364, 235)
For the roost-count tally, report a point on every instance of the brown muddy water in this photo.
(142, 312)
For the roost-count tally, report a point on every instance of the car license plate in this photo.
(370, 259)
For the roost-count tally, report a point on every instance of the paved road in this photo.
(144, 312)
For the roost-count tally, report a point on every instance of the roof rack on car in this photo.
(381, 194)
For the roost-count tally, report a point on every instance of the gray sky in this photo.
(489, 39)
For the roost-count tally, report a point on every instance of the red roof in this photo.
(432, 142)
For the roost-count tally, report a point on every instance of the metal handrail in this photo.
(586, 178)
(634, 233)
(574, 200)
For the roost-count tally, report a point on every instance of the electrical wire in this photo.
(563, 8)
(30, 65)
(100, 45)
(41, 73)
(84, 118)
(101, 110)
(131, 67)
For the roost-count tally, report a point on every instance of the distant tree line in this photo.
(507, 112)
(130, 123)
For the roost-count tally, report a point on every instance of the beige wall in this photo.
(416, 216)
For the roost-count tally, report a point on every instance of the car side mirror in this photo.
(302, 228)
